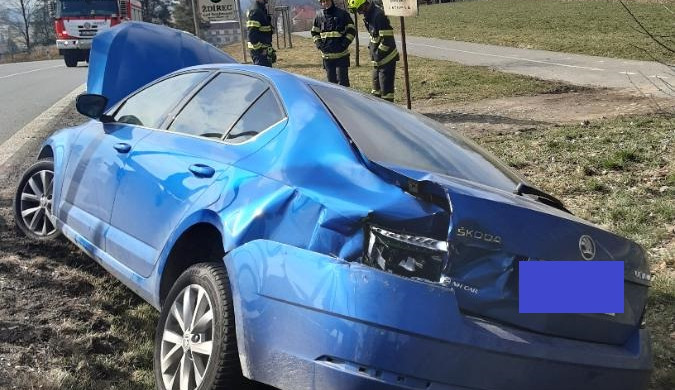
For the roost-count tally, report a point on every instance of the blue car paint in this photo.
(133, 54)
(291, 206)
(311, 321)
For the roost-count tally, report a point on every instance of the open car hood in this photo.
(133, 54)
(491, 231)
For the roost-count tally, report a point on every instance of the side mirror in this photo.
(52, 9)
(92, 106)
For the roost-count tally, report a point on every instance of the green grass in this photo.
(619, 175)
(431, 80)
(595, 27)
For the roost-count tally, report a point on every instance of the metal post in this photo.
(356, 27)
(276, 29)
(242, 30)
(194, 17)
(405, 64)
(290, 27)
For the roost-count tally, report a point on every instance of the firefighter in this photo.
(333, 32)
(382, 47)
(259, 26)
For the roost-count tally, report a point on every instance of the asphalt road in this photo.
(29, 88)
(640, 77)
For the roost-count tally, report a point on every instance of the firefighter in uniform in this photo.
(382, 47)
(259, 26)
(333, 32)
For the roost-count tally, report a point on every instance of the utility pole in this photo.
(194, 17)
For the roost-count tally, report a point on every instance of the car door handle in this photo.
(122, 147)
(201, 170)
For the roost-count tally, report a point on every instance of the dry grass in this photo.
(38, 53)
(432, 81)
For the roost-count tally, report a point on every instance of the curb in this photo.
(16, 141)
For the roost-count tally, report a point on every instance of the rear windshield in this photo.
(87, 7)
(390, 135)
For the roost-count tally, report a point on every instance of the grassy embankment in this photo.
(595, 27)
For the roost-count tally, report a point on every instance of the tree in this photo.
(43, 27)
(18, 15)
(157, 11)
(182, 16)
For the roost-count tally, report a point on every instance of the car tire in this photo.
(183, 356)
(33, 207)
(70, 59)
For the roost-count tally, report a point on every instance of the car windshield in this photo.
(390, 135)
(87, 7)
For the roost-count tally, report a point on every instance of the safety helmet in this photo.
(355, 4)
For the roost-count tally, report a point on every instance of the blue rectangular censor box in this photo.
(571, 287)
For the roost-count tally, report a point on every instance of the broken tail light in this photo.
(406, 255)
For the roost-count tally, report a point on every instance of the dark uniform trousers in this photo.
(383, 52)
(384, 80)
(337, 71)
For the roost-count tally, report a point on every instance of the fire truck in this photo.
(77, 22)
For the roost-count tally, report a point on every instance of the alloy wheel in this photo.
(36, 203)
(187, 340)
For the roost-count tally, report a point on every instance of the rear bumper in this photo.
(308, 321)
(71, 44)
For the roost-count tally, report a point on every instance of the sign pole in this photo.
(405, 64)
(356, 27)
(194, 17)
(242, 30)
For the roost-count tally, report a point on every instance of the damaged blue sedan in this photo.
(308, 236)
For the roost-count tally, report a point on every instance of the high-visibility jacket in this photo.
(382, 44)
(259, 26)
(333, 32)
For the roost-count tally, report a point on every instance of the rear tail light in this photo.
(406, 255)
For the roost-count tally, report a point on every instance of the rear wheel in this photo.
(33, 207)
(70, 59)
(195, 342)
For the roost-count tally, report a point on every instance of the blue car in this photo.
(308, 236)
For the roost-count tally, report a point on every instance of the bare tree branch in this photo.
(649, 33)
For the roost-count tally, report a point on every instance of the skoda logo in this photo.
(87, 25)
(587, 247)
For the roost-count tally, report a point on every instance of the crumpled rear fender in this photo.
(277, 287)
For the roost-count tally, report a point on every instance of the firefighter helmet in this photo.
(355, 4)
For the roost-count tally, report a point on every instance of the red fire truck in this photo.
(78, 21)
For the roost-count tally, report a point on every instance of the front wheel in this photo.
(195, 342)
(70, 59)
(33, 207)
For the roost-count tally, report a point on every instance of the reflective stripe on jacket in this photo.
(382, 45)
(259, 26)
(333, 31)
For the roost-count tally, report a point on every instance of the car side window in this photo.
(149, 106)
(261, 115)
(217, 106)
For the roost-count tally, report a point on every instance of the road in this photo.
(634, 76)
(29, 88)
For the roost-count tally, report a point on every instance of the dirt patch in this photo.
(530, 112)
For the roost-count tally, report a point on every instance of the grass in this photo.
(431, 80)
(38, 53)
(595, 27)
(619, 175)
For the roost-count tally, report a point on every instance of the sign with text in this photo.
(218, 10)
(400, 7)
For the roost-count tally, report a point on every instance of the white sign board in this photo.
(218, 10)
(400, 7)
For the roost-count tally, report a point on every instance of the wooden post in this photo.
(356, 38)
(405, 64)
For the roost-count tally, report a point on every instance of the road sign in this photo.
(400, 7)
(218, 10)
